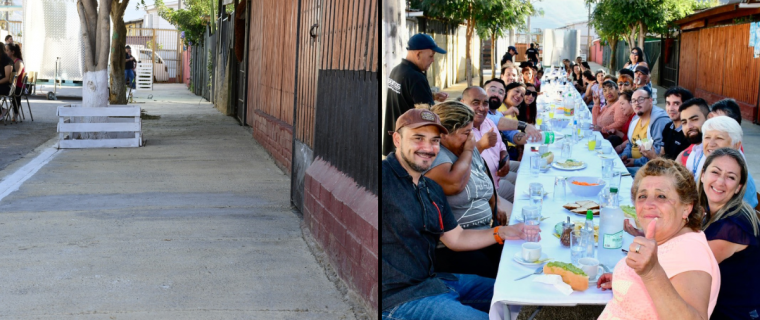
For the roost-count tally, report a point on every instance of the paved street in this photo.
(195, 225)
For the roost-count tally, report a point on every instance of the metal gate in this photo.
(670, 54)
(162, 47)
(242, 84)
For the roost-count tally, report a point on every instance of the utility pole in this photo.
(530, 37)
(588, 33)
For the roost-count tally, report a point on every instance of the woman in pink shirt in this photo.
(613, 115)
(671, 272)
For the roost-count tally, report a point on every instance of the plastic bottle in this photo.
(587, 234)
(611, 231)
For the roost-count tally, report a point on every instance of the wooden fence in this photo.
(272, 45)
(199, 66)
(718, 63)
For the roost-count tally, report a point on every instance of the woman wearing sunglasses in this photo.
(636, 59)
(528, 106)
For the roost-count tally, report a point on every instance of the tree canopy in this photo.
(192, 19)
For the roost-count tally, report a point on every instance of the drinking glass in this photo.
(536, 193)
(608, 164)
(535, 164)
(598, 143)
(591, 145)
(560, 188)
(567, 149)
(577, 247)
(531, 219)
(615, 180)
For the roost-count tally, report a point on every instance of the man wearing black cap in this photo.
(408, 85)
(511, 51)
(641, 78)
(416, 215)
(129, 68)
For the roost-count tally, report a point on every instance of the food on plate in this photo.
(575, 277)
(629, 211)
(570, 164)
(581, 183)
(580, 207)
(549, 156)
(564, 234)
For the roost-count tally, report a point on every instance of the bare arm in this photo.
(506, 124)
(459, 239)
(453, 178)
(723, 249)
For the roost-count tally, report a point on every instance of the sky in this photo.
(131, 13)
(558, 13)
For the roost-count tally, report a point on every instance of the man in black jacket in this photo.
(408, 85)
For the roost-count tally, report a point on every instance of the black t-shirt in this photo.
(407, 86)
(507, 56)
(5, 61)
(674, 140)
(532, 54)
(130, 64)
(414, 218)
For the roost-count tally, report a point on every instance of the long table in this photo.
(510, 295)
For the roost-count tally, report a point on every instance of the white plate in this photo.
(555, 166)
(518, 258)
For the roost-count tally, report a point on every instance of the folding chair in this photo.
(9, 113)
(24, 93)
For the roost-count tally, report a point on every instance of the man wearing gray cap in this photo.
(408, 85)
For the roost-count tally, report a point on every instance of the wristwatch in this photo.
(521, 125)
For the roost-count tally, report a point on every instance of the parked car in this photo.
(160, 68)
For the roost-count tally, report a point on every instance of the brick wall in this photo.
(275, 135)
(343, 219)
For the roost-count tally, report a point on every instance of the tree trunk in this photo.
(118, 93)
(493, 56)
(642, 35)
(613, 59)
(468, 52)
(480, 70)
(95, 23)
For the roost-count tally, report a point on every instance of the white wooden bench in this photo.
(130, 126)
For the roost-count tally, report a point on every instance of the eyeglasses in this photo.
(624, 83)
(635, 52)
(531, 93)
(639, 100)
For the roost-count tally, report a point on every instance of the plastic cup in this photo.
(551, 114)
(591, 145)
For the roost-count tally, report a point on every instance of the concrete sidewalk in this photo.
(195, 225)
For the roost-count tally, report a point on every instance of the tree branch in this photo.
(103, 46)
(88, 52)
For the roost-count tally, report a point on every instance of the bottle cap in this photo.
(589, 215)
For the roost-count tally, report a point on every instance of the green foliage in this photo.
(191, 19)
(495, 17)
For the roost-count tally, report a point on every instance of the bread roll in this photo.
(575, 277)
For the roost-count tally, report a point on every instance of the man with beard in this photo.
(496, 90)
(674, 141)
(492, 148)
(693, 114)
(647, 124)
(416, 215)
(408, 85)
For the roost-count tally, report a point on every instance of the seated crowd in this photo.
(449, 185)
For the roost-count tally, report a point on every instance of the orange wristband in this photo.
(496, 236)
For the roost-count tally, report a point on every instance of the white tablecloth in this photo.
(510, 294)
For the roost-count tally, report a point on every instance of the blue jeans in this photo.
(129, 74)
(468, 298)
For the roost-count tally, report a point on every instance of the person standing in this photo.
(509, 56)
(129, 69)
(408, 85)
(532, 54)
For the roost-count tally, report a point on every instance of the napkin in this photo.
(645, 144)
(556, 281)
